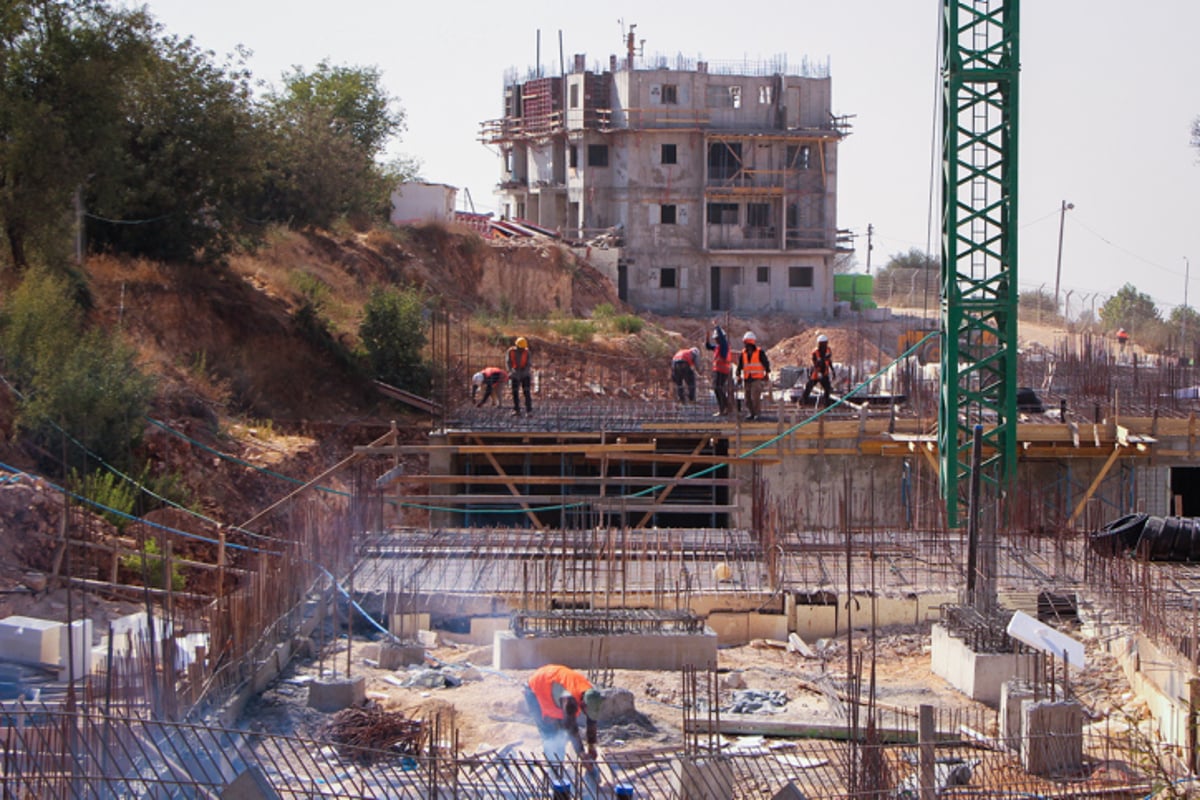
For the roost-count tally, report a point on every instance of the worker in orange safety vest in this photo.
(520, 373)
(821, 371)
(753, 369)
(555, 696)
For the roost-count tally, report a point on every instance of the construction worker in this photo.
(1122, 338)
(555, 696)
(683, 371)
(519, 372)
(489, 378)
(753, 369)
(821, 371)
(722, 367)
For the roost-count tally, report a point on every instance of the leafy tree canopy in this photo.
(1129, 309)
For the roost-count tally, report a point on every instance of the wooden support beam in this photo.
(683, 468)
(537, 523)
(1095, 484)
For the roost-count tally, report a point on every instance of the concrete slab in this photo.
(630, 651)
(1052, 739)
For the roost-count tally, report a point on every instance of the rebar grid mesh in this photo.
(84, 754)
(611, 622)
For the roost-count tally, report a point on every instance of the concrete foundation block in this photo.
(1052, 739)
(395, 656)
(977, 675)
(629, 651)
(47, 643)
(330, 696)
(1014, 696)
(250, 785)
(703, 779)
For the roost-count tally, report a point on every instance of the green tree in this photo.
(180, 180)
(393, 333)
(73, 381)
(1038, 303)
(1129, 309)
(329, 127)
(915, 258)
(62, 70)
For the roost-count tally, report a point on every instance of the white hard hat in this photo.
(822, 339)
(748, 336)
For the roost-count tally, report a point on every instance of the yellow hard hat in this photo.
(521, 343)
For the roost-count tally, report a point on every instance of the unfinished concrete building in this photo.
(713, 185)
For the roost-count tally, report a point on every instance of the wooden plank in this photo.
(567, 480)
(507, 449)
(683, 468)
(1095, 485)
(537, 523)
(681, 458)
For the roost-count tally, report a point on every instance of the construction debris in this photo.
(369, 734)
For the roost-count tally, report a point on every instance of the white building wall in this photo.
(423, 202)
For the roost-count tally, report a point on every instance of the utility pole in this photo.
(1062, 218)
(870, 247)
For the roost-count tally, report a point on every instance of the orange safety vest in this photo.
(722, 365)
(518, 353)
(542, 683)
(752, 368)
(685, 355)
(820, 367)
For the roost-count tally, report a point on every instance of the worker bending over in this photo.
(556, 695)
(683, 372)
(489, 378)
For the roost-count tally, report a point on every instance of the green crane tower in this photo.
(979, 244)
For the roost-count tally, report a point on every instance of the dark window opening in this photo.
(573, 156)
(1185, 485)
(669, 154)
(670, 94)
(724, 159)
(764, 274)
(574, 95)
(597, 155)
(667, 278)
(722, 213)
(798, 156)
(667, 214)
(758, 215)
(800, 277)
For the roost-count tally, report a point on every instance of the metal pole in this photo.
(1187, 268)
(1062, 218)
(973, 516)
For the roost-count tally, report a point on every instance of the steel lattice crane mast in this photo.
(979, 244)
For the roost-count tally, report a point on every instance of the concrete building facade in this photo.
(717, 184)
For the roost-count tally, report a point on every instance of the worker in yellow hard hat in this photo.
(519, 373)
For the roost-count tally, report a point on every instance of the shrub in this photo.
(152, 567)
(393, 332)
(74, 382)
(628, 323)
(579, 330)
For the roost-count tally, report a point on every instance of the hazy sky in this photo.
(1108, 92)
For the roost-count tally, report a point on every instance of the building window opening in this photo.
(735, 96)
(669, 154)
(799, 156)
(764, 274)
(573, 156)
(764, 95)
(722, 213)
(667, 278)
(724, 159)
(800, 277)
(597, 155)
(574, 95)
(670, 94)
(758, 215)
(667, 214)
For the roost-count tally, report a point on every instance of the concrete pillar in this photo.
(1052, 739)
(1013, 697)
